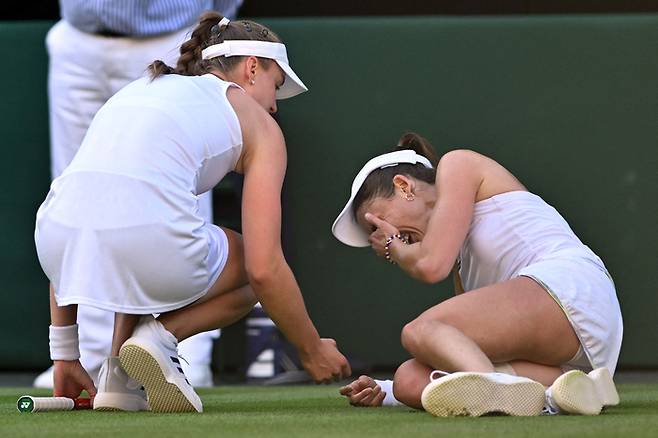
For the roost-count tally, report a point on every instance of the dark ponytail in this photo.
(419, 144)
(207, 33)
(380, 181)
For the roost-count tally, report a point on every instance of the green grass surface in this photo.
(318, 411)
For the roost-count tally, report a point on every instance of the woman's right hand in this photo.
(364, 391)
(70, 378)
(324, 362)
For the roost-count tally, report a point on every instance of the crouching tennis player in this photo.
(120, 229)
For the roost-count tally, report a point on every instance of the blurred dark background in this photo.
(49, 9)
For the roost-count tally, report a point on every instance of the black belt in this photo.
(110, 33)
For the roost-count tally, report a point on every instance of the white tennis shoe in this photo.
(475, 394)
(117, 391)
(150, 356)
(605, 386)
(575, 392)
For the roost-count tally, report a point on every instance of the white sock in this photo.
(550, 407)
(387, 387)
(504, 368)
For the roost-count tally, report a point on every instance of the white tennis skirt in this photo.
(586, 293)
(119, 257)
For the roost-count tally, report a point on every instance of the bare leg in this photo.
(124, 324)
(228, 300)
(513, 320)
(216, 312)
(409, 381)
(444, 347)
(544, 374)
(516, 321)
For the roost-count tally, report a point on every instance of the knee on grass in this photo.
(409, 382)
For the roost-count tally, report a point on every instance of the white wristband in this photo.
(64, 342)
(387, 387)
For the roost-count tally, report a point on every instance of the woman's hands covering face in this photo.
(383, 230)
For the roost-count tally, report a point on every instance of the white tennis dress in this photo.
(518, 234)
(120, 229)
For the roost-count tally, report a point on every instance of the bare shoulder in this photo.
(258, 127)
(463, 162)
(494, 177)
(251, 115)
(463, 157)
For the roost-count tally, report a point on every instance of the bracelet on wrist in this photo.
(387, 246)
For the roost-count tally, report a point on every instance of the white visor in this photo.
(292, 86)
(345, 227)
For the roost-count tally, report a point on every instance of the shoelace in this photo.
(184, 360)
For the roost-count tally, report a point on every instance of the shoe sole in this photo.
(163, 396)
(119, 402)
(476, 394)
(575, 393)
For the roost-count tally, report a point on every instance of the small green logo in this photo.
(25, 404)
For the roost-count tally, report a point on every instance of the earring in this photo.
(409, 196)
(252, 82)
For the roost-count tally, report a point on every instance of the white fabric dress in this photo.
(120, 229)
(518, 234)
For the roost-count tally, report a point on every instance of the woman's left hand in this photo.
(70, 378)
(383, 231)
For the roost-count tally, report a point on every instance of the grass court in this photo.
(318, 411)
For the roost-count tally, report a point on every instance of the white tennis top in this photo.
(177, 132)
(511, 231)
(120, 228)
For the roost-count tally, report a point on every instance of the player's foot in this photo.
(199, 376)
(45, 379)
(605, 386)
(150, 356)
(475, 394)
(574, 392)
(117, 391)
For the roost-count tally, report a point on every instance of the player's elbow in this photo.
(259, 277)
(431, 271)
(262, 274)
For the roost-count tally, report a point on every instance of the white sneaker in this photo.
(605, 386)
(46, 380)
(150, 356)
(117, 391)
(199, 376)
(574, 392)
(475, 394)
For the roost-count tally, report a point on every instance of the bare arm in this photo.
(264, 164)
(459, 176)
(62, 316)
(269, 274)
(70, 378)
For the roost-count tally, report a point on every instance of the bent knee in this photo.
(410, 379)
(417, 333)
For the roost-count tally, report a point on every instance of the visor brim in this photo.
(292, 86)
